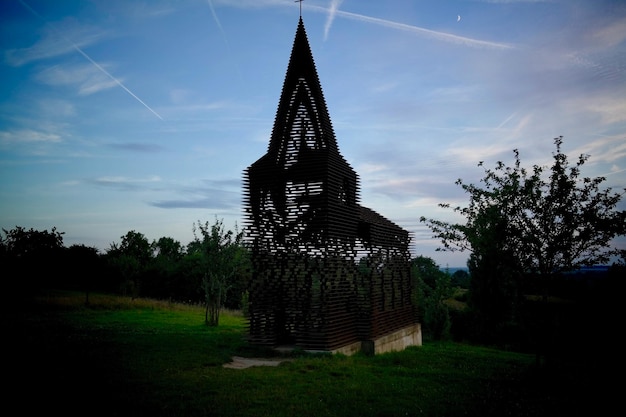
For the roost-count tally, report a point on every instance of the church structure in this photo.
(328, 273)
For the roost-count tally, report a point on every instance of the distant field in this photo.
(452, 269)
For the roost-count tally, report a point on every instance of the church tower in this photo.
(303, 181)
(324, 266)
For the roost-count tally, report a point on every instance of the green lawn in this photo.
(119, 357)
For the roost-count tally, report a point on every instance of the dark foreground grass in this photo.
(119, 357)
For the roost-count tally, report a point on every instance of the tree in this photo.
(163, 274)
(131, 258)
(22, 243)
(224, 256)
(34, 256)
(460, 278)
(168, 248)
(433, 289)
(82, 270)
(523, 224)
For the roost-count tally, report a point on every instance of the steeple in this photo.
(308, 233)
(302, 119)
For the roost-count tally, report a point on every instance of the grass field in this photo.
(122, 357)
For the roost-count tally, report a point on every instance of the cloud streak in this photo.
(137, 147)
(217, 21)
(332, 12)
(28, 136)
(88, 78)
(212, 194)
(124, 183)
(94, 63)
(440, 36)
(49, 47)
(118, 82)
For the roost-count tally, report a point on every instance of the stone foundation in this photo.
(396, 341)
(391, 342)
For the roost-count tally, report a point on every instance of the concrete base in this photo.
(348, 350)
(395, 341)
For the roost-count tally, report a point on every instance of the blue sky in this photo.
(123, 115)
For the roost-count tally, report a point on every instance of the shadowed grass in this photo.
(143, 357)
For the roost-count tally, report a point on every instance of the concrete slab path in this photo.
(243, 363)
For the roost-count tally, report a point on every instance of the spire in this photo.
(302, 118)
(300, 1)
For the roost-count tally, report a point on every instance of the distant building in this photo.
(328, 273)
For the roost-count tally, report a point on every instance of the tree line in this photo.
(528, 232)
(212, 269)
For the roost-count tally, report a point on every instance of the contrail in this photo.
(506, 120)
(80, 51)
(118, 82)
(219, 26)
(332, 11)
(613, 172)
(217, 21)
(442, 36)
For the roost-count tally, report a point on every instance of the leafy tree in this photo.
(224, 256)
(135, 244)
(427, 269)
(83, 268)
(131, 259)
(433, 289)
(546, 226)
(189, 275)
(168, 248)
(531, 224)
(163, 270)
(33, 256)
(23, 243)
(460, 278)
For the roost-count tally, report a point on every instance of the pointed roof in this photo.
(302, 117)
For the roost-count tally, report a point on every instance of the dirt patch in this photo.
(243, 363)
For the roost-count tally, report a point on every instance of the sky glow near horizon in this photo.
(132, 115)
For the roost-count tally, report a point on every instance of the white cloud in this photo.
(609, 35)
(610, 109)
(125, 183)
(604, 149)
(28, 135)
(56, 108)
(86, 78)
(370, 168)
(517, 1)
(245, 4)
(61, 39)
